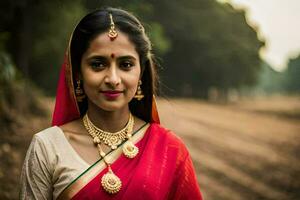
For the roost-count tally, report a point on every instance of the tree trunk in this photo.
(21, 38)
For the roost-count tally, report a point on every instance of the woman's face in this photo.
(110, 71)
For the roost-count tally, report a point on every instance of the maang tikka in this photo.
(112, 33)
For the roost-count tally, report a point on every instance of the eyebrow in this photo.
(127, 57)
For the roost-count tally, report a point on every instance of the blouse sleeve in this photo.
(36, 176)
(185, 185)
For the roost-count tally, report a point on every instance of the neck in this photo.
(111, 121)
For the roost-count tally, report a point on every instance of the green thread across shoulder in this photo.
(90, 167)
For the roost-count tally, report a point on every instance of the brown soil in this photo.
(247, 150)
(14, 142)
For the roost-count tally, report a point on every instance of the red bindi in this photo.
(112, 55)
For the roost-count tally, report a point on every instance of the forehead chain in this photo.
(112, 33)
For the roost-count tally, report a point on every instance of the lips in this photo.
(111, 94)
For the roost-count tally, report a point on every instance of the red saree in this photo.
(162, 170)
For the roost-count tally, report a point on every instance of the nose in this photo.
(112, 77)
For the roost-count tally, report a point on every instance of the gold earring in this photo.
(139, 93)
(79, 92)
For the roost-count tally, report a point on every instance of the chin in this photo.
(109, 105)
(112, 106)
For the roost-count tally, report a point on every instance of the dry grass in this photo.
(247, 150)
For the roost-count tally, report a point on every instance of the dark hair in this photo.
(98, 22)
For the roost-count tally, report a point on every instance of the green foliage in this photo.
(50, 40)
(17, 96)
(286, 82)
(292, 76)
(4, 37)
(202, 43)
(7, 70)
(269, 80)
(158, 38)
(212, 45)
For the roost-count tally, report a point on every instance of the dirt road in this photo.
(247, 150)
(242, 151)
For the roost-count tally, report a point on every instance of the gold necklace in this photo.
(109, 181)
(108, 138)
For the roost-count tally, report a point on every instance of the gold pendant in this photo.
(110, 182)
(112, 34)
(130, 150)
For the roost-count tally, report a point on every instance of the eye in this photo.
(98, 64)
(126, 64)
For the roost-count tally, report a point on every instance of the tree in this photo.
(292, 76)
(36, 35)
(212, 45)
(269, 80)
(199, 43)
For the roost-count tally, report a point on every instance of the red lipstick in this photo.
(111, 94)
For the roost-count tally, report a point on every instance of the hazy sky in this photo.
(278, 22)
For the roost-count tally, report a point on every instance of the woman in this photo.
(106, 141)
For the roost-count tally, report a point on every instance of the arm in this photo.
(36, 174)
(185, 185)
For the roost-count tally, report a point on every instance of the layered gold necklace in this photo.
(109, 181)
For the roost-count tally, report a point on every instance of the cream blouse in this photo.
(50, 165)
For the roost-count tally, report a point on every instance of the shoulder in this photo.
(169, 137)
(55, 134)
(48, 135)
(48, 132)
(45, 143)
(167, 133)
(41, 149)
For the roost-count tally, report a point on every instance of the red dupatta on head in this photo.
(66, 106)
